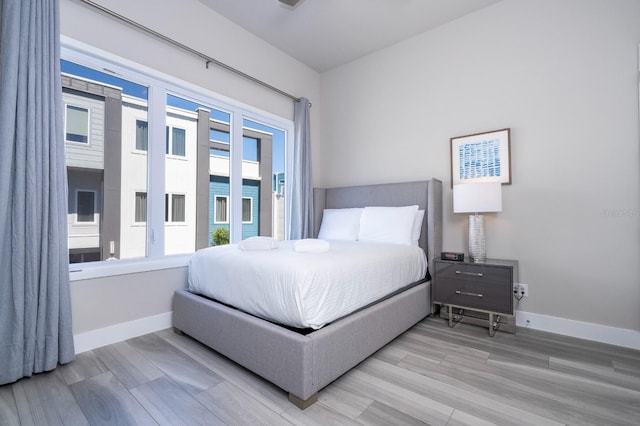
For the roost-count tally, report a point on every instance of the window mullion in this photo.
(235, 181)
(156, 171)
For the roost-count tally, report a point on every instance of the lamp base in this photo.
(477, 238)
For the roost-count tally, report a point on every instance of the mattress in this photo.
(305, 290)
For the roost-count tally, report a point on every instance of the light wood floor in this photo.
(429, 375)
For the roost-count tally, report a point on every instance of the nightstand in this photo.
(477, 293)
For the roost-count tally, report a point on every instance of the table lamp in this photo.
(480, 197)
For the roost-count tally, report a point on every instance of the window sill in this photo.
(110, 268)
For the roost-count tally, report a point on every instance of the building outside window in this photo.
(141, 207)
(247, 210)
(85, 206)
(142, 135)
(174, 210)
(77, 124)
(177, 208)
(221, 212)
(175, 144)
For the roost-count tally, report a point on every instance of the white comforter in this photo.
(304, 289)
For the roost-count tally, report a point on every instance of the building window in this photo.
(221, 213)
(77, 124)
(141, 207)
(247, 210)
(85, 206)
(176, 139)
(177, 207)
(79, 256)
(142, 135)
(178, 142)
(174, 208)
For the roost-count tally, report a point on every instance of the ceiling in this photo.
(324, 34)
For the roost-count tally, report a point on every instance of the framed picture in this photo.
(481, 157)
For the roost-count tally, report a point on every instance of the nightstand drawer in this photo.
(473, 272)
(475, 293)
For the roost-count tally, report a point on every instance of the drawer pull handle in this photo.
(474, 274)
(466, 293)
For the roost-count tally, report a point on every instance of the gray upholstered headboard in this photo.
(426, 194)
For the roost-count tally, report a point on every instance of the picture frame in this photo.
(481, 157)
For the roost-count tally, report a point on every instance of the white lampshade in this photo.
(477, 197)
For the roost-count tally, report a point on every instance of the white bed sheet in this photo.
(305, 289)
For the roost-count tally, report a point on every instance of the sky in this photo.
(140, 91)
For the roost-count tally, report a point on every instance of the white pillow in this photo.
(417, 227)
(340, 224)
(387, 224)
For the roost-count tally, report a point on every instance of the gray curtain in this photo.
(300, 204)
(35, 303)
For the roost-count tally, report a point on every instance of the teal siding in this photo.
(219, 185)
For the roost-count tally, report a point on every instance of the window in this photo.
(83, 256)
(246, 148)
(142, 135)
(77, 124)
(221, 209)
(177, 207)
(174, 208)
(176, 141)
(141, 207)
(85, 206)
(247, 210)
(101, 161)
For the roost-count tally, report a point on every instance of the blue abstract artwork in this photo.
(479, 159)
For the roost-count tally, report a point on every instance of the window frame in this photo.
(66, 123)
(169, 147)
(135, 142)
(95, 207)
(169, 200)
(249, 222)
(135, 206)
(159, 85)
(215, 210)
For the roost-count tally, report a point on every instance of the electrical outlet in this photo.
(520, 290)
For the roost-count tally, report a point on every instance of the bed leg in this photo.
(303, 403)
(178, 331)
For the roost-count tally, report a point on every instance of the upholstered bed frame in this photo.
(303, 364)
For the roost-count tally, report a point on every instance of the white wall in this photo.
(97, 302)
(563, 75)
(129, 299)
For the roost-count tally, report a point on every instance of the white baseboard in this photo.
(117, 333)
(583, 330)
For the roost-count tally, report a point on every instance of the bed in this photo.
(302, 363)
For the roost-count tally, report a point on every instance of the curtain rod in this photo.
(208, 59)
